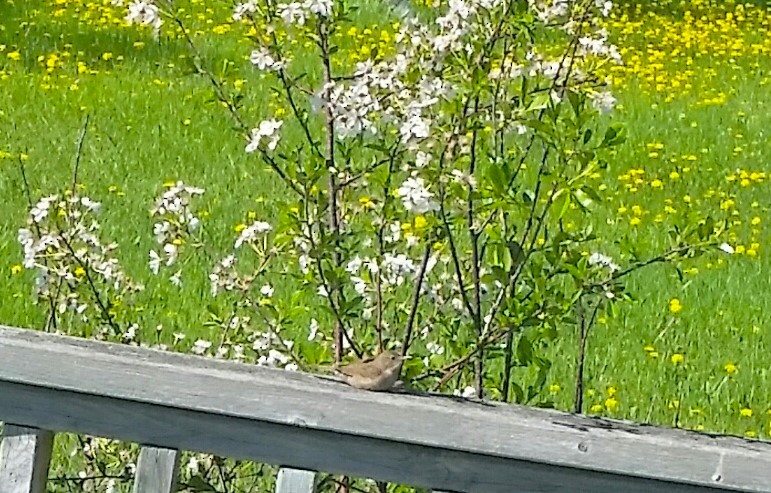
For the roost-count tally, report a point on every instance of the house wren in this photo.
(380, 373)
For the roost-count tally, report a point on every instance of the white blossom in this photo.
(422, 159)
(416, 197)
(264, 60)
(605, 6)
(155, 262)
(176, 279)
(144, 12)
(467, 393)
(313, 329)
(359, 285)
(242, 9)
(267, 129)
(604, 261)
(176, 220)
(414, 127)
(395, 268)
(603, 101)
(464, 178)
(322, 8)
(549, 10)
(292, 13)
(249, 234)
(354, 265)
(200, 346)
(725, 247)
(434, 348)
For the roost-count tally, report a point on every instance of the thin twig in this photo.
(332, 186)
(416, 298)
(78, 152)
(583, 336)
(97, 297)
(222, 97)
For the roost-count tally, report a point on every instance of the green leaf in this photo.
(565, 206)
(614, 135)
(575, 101)
(198, 484)
(517, 255)
(524, 350)
(583, 198)
(528, 196)
(706, 228)
(540, 101)
(519, 394)
(498, 178)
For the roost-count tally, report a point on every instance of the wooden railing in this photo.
(169, 402)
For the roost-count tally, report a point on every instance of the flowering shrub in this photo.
(424, 202)
(77, 275)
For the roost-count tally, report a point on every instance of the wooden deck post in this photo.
(25, 454)
(156, 470)
(295, 481)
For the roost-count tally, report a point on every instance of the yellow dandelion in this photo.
(420, 221)
(366, 202)
(611, 404)
(675, 306)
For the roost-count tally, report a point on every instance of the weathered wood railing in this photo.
(170, 402)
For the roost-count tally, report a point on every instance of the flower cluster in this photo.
(268, 129)
(263, 60)
(62, 245)
(416, 197)
(175, 224)
(144, 12)
(225, 277)
(597, 258)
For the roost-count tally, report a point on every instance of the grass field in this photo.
(694, 93)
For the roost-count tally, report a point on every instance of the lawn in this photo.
(692, 349)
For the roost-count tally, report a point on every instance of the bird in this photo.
(377, 374)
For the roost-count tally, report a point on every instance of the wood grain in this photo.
(156, 470)
(296, 420)
(25, 454)
(295, 481)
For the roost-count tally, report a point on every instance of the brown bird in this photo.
(380, 373)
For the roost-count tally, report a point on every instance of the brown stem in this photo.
(381, 248)
(584, 327)
(232, 108)
(78, 153)
(416, 299)
(475, 259)
(97, 297)
(332, 186)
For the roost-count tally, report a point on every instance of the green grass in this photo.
(139, 138)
